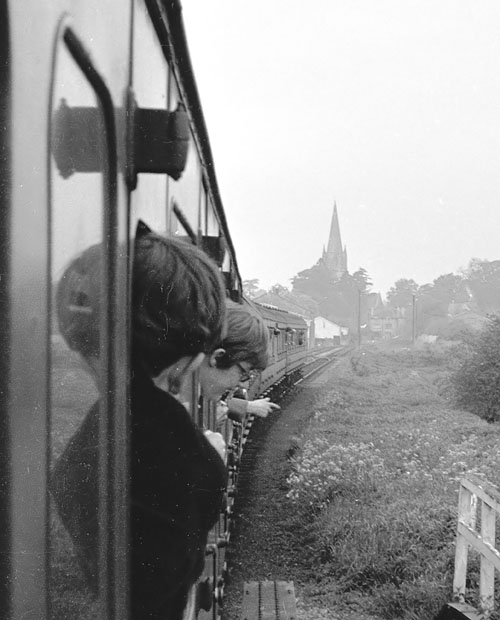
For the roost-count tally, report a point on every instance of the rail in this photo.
(477, 498)
(321, 358)
(275, 600)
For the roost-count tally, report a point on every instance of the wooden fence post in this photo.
(467, 503)
(487, 578)
(472, 491)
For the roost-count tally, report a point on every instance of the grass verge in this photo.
(374, 483)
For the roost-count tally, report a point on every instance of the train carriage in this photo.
(101, 126)
(288, 345)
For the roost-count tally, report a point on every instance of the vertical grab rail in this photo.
(475, 493)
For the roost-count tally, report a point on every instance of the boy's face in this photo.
(215, 382)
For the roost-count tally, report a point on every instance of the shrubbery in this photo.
(456, 330)
(477, 381)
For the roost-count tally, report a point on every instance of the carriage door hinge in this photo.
(157, 140)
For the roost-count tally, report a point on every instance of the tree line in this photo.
(346, 300)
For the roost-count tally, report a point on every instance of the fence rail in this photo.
(477, 498)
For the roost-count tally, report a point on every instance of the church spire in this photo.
(336, 256)
(334, 241)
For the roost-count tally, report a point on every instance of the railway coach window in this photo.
(212, 242)
(78, 203)
(273, 346)
(186, 194)
(212, 224)
(150, 86)
(186, 191)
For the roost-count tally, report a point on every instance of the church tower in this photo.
(335, 257)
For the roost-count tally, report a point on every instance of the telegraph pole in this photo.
(359, 318)
(413, 319)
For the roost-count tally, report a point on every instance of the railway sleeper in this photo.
(268, 600)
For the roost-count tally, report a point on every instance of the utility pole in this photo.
(359, 318)
(413, 319)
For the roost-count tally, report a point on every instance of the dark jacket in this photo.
(177, 484)
(178, 480)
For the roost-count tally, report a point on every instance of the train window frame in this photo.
(177, 215)
(5, 198)
(113, 451)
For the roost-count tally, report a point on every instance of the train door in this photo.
(85, 368)
(88, 576)
(65, 193)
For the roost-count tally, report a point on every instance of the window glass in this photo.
(180, 226)
(203, 212)
(77, 204)
(186, 191)
(150, 86)
(212, 223)
(226, 263)
(272, 345)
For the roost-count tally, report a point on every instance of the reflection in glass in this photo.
(77, 215)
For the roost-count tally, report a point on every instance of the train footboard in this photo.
(459, 611)
(268, 600)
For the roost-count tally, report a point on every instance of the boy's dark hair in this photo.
(247, 338)
(178, 301)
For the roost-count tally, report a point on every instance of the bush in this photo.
(477, 380)
(457, 330)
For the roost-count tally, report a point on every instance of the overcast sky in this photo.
(391, 108)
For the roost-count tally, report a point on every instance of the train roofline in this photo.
(262, 308)
(168, 13)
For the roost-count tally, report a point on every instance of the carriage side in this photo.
(85, 88)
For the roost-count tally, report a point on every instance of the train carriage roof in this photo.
(276, 315)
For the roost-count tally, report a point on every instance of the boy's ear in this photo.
(214, 356)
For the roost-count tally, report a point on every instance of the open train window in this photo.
(82, 207)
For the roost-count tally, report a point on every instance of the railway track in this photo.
(261, 566)
(320, 360)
